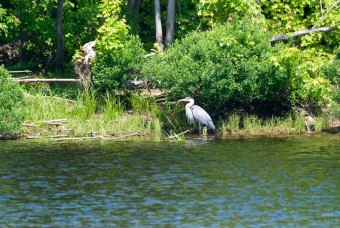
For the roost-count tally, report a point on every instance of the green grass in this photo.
(252, 125)
(89, 116)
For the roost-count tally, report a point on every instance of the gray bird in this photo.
(196, 113)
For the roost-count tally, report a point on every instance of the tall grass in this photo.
(89, 115)
(113, 108)
(252, 125)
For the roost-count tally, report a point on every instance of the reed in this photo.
(252, 125)
(112, 109)
(299, 124)
(89, 115)
(322, 123)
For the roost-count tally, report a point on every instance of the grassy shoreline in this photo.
(88, 117)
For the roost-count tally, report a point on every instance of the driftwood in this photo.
(176, 136)
(30, 80)
(83, 64)
(301, 33)
(56, 122)
(56, 136)
(102, 137)
(52, 121)
(19, 71)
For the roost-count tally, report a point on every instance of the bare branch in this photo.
(301, 33)
(324, 15)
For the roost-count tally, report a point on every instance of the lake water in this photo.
(238, 182)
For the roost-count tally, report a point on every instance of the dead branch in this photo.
(32, 137)
(30, 80)
(49, 122)
(130, 135)
(19, 71)
(301, 33)
(324, 15)
(102, 137)
(176, 136)
(52, 121)
(28, 125)
(56, 136)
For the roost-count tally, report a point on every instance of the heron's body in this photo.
(198, 114)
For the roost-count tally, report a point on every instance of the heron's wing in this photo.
(202, 117)
(189, 115)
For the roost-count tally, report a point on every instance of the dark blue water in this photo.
(259, 182)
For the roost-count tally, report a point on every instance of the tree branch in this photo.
(301, 33)
(28, 80)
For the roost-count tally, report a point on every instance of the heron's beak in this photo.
(182, 100)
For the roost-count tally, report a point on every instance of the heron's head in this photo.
(187, 99)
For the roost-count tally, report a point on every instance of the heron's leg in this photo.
(308, 129)
(204, 130)
(199, 129)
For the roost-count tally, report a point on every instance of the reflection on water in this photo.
(291, 181)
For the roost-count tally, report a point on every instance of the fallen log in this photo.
(56, 122)
(102, 137)
(300, 33)
(30, 80)
(52, 121)
(19, 71)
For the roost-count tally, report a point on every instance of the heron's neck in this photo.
(190, 104)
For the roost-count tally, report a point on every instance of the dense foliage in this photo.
(332, 70)
(12, 105)
(224, 58)
(235, 64)
(112, 69)
(30, 26)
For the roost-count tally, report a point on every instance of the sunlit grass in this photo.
(252, 125)
(88, 116)
(107, 116)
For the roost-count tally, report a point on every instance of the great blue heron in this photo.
(196, 113)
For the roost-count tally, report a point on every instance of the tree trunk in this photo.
(136, 7)
(170, 23)
(133, 14)
(60, 53)
(158, 22)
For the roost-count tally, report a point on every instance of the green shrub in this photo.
(235, 64)
(112, 69)
(336, 95)
(332, 70)
(12, 105)
(217, 65)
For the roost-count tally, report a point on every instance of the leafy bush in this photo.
(235, 64)
(301, 76)
(217, 65)
(112, 69)
(12, 105)
(332, 70)
(336, 96)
